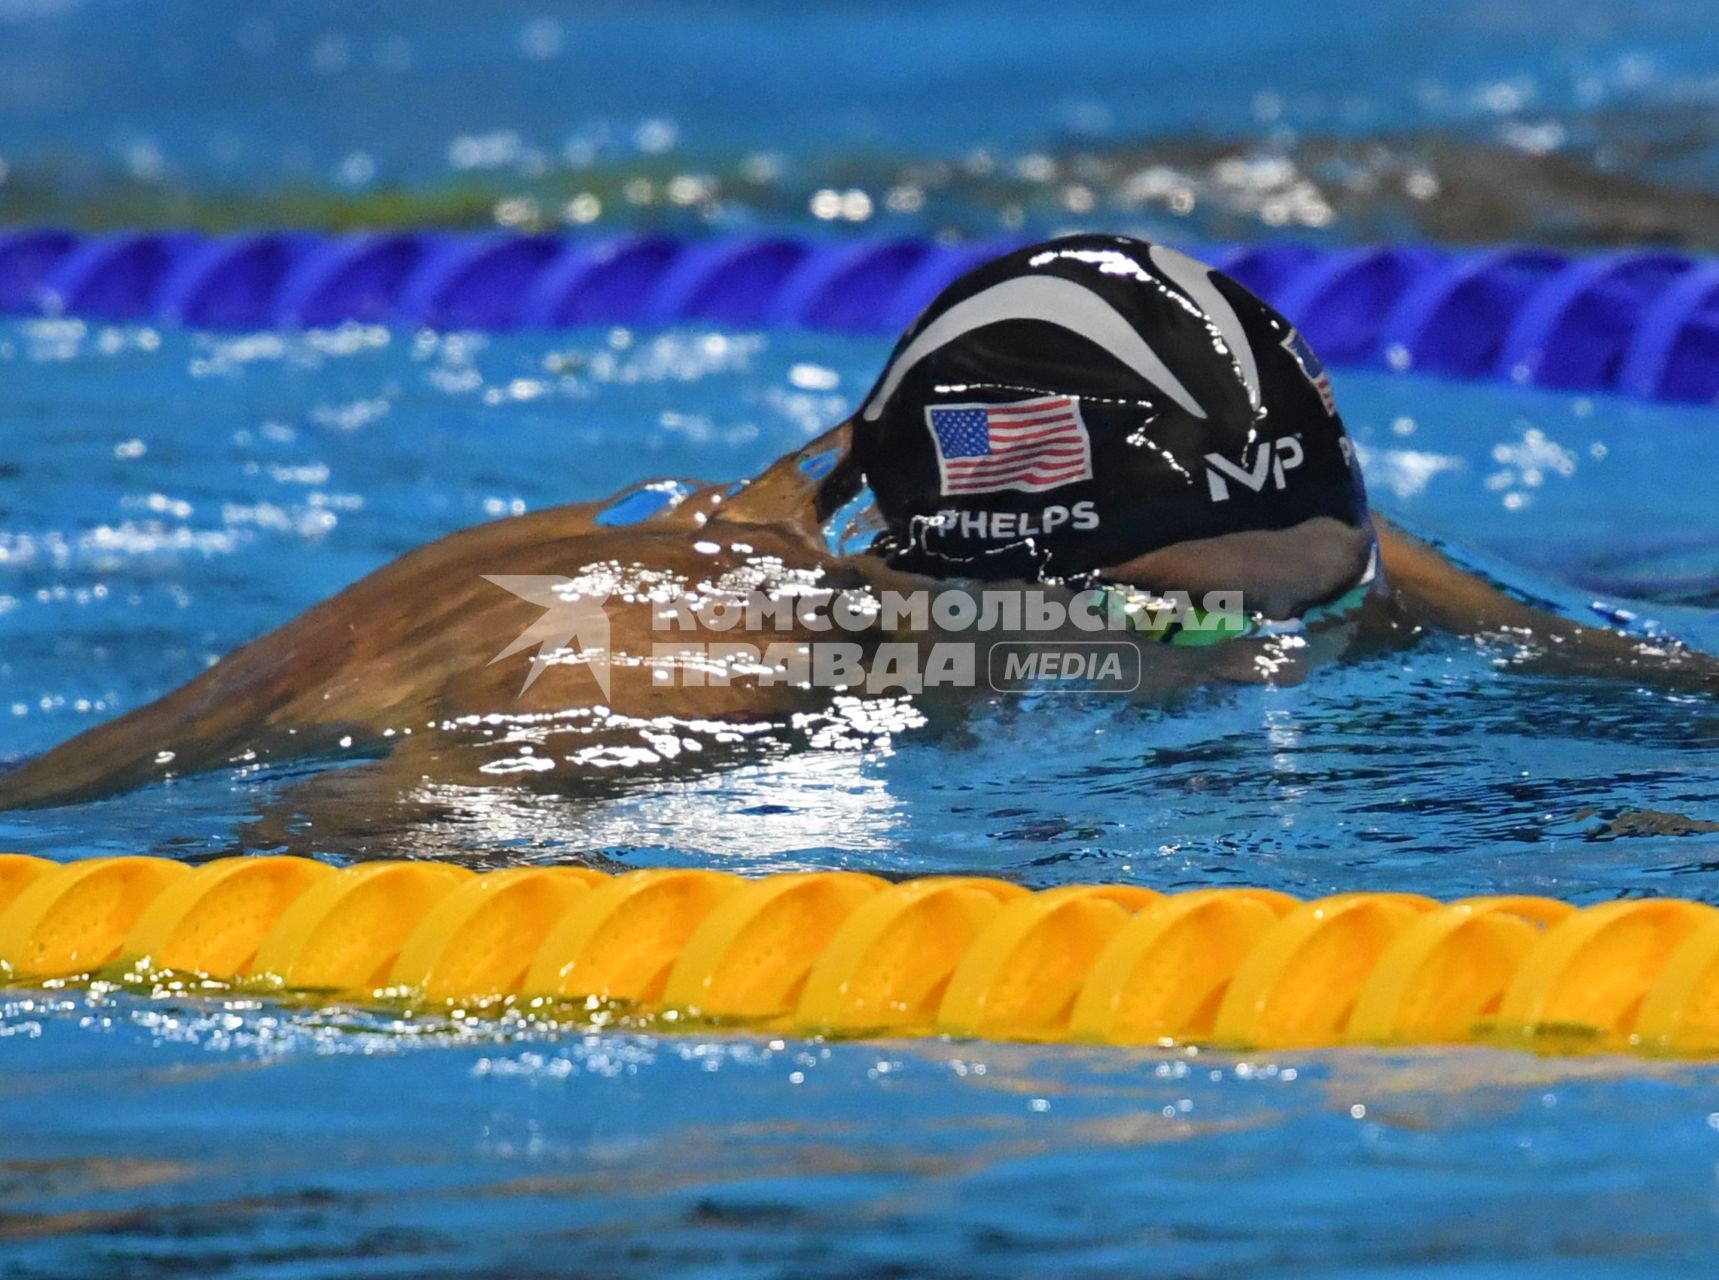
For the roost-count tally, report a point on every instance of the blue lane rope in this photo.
(1642, 323)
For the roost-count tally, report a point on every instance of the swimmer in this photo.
(1097, 420)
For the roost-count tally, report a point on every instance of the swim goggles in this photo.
(1170, 622)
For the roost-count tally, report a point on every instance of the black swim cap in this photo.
(1081, 402)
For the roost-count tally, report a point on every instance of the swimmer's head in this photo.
(1082, 403)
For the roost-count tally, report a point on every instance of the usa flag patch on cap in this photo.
(1030, 444)
(1297, 346)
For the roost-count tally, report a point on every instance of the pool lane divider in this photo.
(1641, 323)
(848, 954)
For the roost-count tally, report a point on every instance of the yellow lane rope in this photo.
(844, 953)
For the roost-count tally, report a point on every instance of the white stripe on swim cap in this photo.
(1194, 278)
(1052, 300)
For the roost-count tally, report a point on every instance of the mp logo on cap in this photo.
(1272, 460)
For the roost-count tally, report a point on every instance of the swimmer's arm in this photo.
(1432, 592)
(375, 642)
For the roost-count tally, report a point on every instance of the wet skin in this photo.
(398, 667)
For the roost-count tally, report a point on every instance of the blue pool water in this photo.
(175, 494)
(253, 92)
(166, 496)
(180, 494)
(955, 116)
